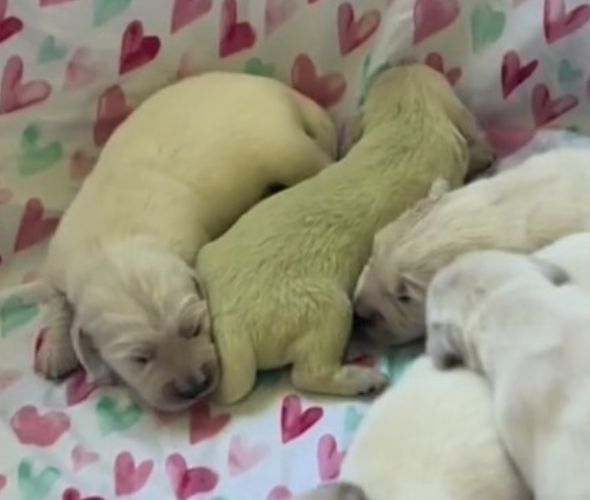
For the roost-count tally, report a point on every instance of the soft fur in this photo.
(523, 209)
(517, 320)
(572, 254)
(174, 176)
(431, 437)
(279, 281)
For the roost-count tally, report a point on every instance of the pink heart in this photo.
(78, 389)
(81, 165)
(186, 12)
(81, 70)
(559, 23)
(329, 458)
(546, 109)
(32, 427)
(129, 478)
(433, 16)
(136, 49)
(326, 90)
(235, 36)
(81, 457)
(280, 493)
(8, 25)
(188, 482)
(111, 110)
(295, 422)
(3, 481)
(74, 494)
(203, 425)
(353, 33)
(14, 94)
(7, 378)
(277, 13)
(513, 73)
(507, 141)
(34, 226)
(5, 195)
(435, 61)
(242, 457)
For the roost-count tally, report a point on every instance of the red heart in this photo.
(435, 61)
(278, 12)
(329, 458)
(14, 94)
(8, 25)
(513, 73)
(326, 90)
(33, 227)
(545, 109)
(48, 3)
(294, 422)
(559, 23)
(81, 457)
(81, 165)
(205, 426)
(279, 493)
(185, 12)
(136, 49)
(74, 494)
(112, 109)
(81, 70)
(37, 429)
(130, 479)
(351, 33)
(188, 482)
(78, 389)
(432, 16)
(235, 36)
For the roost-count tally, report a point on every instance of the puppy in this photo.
(432, 437)
(515, 319)
(523, 209)
(175, 175)
(279, 281)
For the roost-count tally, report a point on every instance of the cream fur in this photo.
(514, 319)
(523, 209)
(432, 437)
(279, 281)
(180, 170)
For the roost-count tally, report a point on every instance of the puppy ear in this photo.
(96, 369)
(554, 273)
(442, 346)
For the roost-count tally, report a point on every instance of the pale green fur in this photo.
(279, 281)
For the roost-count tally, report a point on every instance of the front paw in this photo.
(54, 355)
(365, 381)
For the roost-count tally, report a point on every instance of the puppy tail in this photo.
(336, 491)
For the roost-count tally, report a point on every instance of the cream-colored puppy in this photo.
(180, 170)
(517, 320)
(523, 209)
(431, 437)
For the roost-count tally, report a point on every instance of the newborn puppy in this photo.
(515, 319)
(279, 281)
(523, 209)
(180, 170)
(431, 437)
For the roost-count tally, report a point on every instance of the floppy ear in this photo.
(96, 369)
(442, 346)
(554, 273)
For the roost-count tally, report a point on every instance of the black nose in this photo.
(191, 388)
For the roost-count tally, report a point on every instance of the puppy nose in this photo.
(192, 387)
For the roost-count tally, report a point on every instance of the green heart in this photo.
(34, 157)
(487, 26)
(568, 72)
(352, 420)
(35, 487)
(258, 67)
(50, 51)
(113, 418)
(105, 10)
(14, 313)
(402, 357)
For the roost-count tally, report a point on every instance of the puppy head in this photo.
(139, 314)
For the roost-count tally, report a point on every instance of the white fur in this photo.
(513, 318)
(180, 170)
(523, 209)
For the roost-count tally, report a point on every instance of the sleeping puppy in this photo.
(523, 209)
(517, 320)
(175, 175)
(279, 281)
(431, 437)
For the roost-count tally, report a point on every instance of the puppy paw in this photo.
(363, 380)
(54, 355)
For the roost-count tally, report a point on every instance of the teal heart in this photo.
(402, 357)
(35, 486)
(568, 72)
(14, 313)
(105, 10)
(113, 417)
(50, 51)
(352, 419)
(487, 26)
(36, 157)
(268, 378)
(256, 66)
